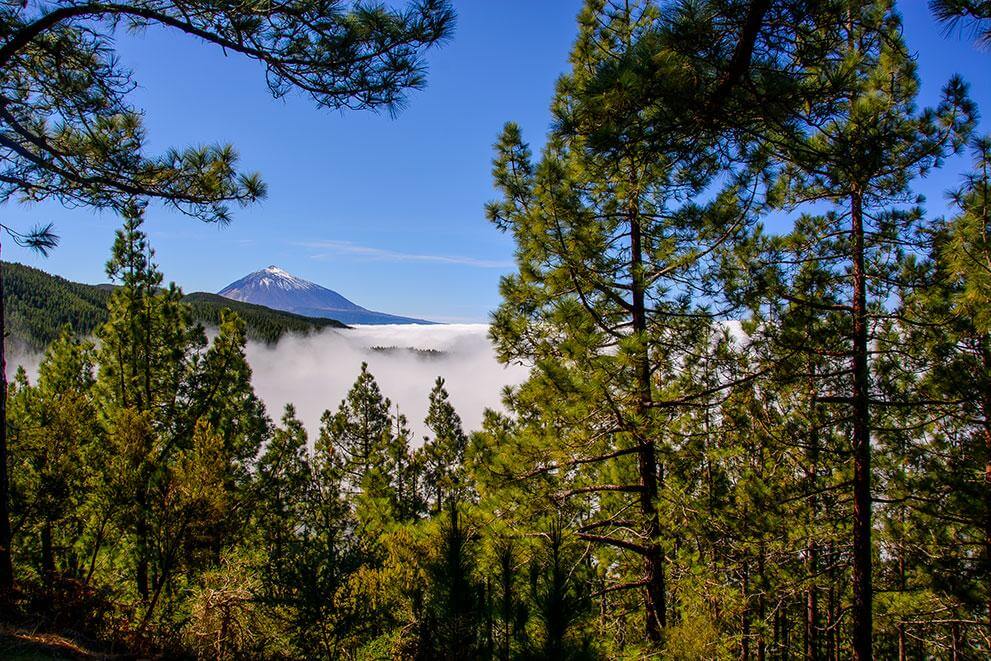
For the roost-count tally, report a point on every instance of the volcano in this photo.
(280, 290)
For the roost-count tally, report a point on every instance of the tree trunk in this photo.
(141, 569)
(861, 612)
(47, 556)
(786, 625)
(831, 618)
(6, 561)
(745, 647)
(776, 634)
(506, 562)
(489, 622)
(811, 606)
(654, 589)
(812, 469)
(902, 585)
(986, 422)
(761, 603)
(96, 551)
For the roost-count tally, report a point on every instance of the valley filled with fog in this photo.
(314, 372)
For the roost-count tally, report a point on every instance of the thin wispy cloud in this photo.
(337, 248)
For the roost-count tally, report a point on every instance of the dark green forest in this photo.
(39, 305)
(733, 442)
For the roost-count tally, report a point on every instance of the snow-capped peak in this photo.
(273, 276)
(280, 290)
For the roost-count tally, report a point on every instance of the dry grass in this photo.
(18, 644)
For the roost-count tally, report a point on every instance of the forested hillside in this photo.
(38, 305)
(263, 324)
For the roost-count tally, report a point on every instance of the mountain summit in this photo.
(281, 290)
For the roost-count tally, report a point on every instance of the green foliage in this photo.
(73, 135)
(559, 580)
(176, 426)
(52, 441)
(944, 372)
(706, 397)
(369, 449)
(442, 455)
(454, 602)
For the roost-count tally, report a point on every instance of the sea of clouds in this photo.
(314, 372)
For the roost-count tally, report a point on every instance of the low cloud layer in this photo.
(315, 372)
(28, 360)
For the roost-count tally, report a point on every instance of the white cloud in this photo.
(315, 372)
(29, 360)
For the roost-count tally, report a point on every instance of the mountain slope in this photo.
(280, 290)
(39, 304)
(263, 323)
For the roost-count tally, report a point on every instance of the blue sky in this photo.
(389, 212)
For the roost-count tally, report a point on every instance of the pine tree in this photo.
(454, 601)
(193, 500)
(41, 239)
(143, 360)
(284, 481)
(357, 435)
(940, 484)
(611, 248)
(965, 257)
(407, 473)
(443, 454)
(863, 160)
(370, 449)
(53, 424)
(162, 389)
(218, 391)
(333, 550)
(557, 580)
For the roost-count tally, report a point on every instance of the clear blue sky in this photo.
(389, 212)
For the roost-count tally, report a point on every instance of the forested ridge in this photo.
(38, 305)
(733, 442)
